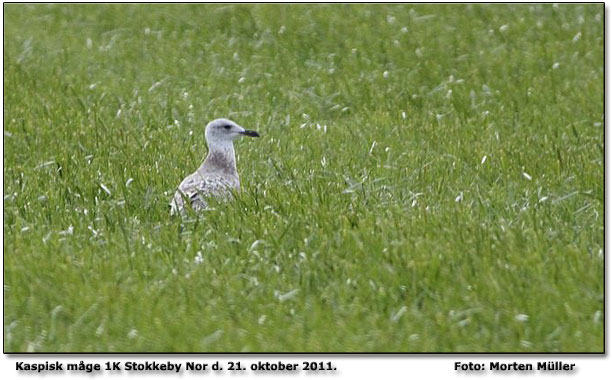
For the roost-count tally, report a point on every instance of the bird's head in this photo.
(224, 130)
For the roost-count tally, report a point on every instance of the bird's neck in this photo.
(221, 159)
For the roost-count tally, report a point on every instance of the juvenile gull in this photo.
(217, 176)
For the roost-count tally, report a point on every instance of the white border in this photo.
(348, 366)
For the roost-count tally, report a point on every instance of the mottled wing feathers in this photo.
(194, 190)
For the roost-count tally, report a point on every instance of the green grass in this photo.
(369, 218)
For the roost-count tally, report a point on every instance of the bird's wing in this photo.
(196, 188)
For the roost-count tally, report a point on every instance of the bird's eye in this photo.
(227, 126)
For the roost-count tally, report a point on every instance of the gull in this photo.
(217, 176)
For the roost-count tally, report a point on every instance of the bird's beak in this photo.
(246, 132)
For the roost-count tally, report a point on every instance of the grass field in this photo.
(429, 178)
